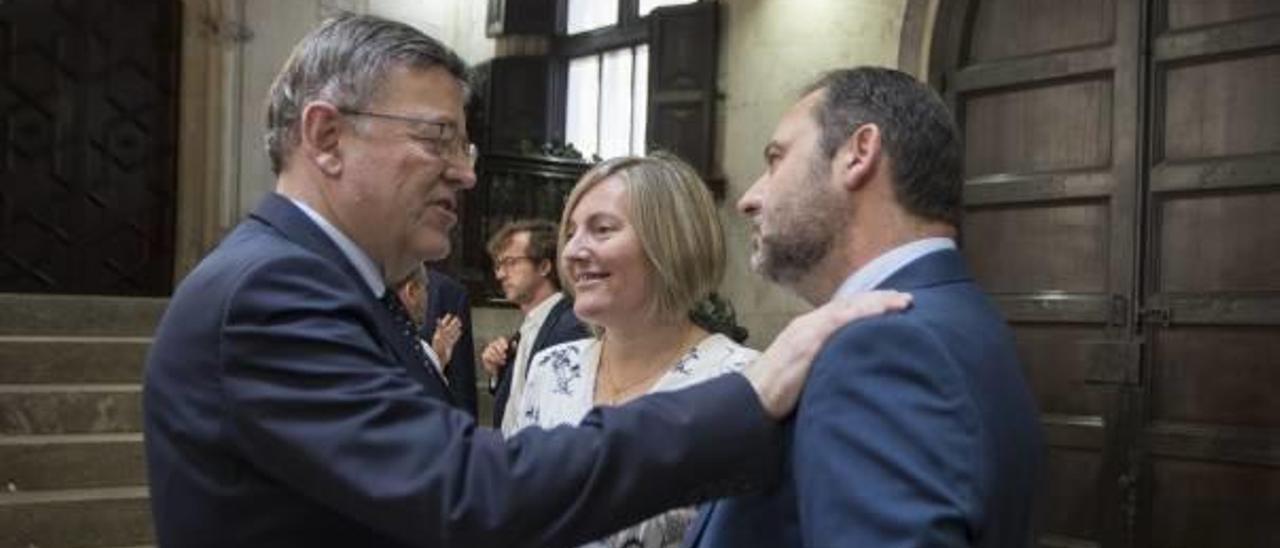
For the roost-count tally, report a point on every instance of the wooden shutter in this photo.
(519, 106)
(507, 17)
(682, 83)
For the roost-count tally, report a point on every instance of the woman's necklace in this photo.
(617, 393)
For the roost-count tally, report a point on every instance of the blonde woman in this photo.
(640, 246)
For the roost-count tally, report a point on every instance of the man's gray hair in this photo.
(346, 61)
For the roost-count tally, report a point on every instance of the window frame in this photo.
(631, 31)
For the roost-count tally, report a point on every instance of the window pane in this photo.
(585, 15)
(615, 103)
(582, 111)
(647, 6)
(640, 106)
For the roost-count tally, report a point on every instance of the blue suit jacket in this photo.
(446, 296)
(561, 326)
(915, 429)
(280, 410)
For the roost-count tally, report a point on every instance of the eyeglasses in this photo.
(441, 137)
(507, 262)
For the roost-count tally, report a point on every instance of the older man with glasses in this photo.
(279, 404)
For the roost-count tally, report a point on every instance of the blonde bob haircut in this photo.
(675, 219)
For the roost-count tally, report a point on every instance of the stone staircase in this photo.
(72, 472)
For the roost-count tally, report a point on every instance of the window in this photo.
(607, 88)
(607, 102)
(585, 15)
(588, 15)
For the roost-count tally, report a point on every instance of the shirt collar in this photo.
(875, 272)
(369, 271)
(539, 313)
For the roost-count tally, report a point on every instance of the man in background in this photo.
(447, 306)
(413, 293)
(524, 262)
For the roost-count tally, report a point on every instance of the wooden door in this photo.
(1123, 169)
(87, 145)
(1209, 445)
(1046, 95)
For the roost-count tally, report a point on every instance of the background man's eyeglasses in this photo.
(441, 135)
(507, 262)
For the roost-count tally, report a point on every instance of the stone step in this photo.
(27, 314)
(73, 461)
(72, 359)
(78, 518)
(39, 409)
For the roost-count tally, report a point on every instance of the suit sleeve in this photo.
(884, 438)
(318, 404)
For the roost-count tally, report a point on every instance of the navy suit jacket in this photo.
(915, 429)
(561, 326)
(279, 410)
(446, 296)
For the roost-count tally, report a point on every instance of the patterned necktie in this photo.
(401, 319)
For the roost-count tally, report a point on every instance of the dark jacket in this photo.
(914, 429)
(446, 296)
(561, 326)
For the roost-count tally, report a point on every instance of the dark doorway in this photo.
(1124, 206)
(88, 103)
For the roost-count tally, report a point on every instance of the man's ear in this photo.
(546, 268)
(321, 130)
(859, 156)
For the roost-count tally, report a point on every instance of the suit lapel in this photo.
(549, 326)
(280, 213)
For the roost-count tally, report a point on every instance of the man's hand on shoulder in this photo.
(779, 373)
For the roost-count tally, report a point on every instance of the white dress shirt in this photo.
(528, 336)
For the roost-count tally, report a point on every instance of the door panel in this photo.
(1216, 375)
(1222, 108)
(1059, 378)
(1073, 474)
(1048, 128)
(1195, 13)
(1218, 242)
(1013, 28)
(1041, 248)
(1214, 504)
